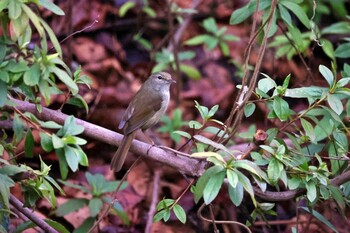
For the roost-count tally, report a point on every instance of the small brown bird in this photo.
(144, 111)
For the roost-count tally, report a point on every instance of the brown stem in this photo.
(155, 198)
(32, 216)
(184, 164)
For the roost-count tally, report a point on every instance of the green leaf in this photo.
(125, 8)
(182, 133)
(51, 6)
(85, 226)
(62, 162)
(190, 71)
(249, 109)
(294, 183)
(281, 108)
(202, 110)
(229, 37)
(298, 11)
(241, 14)
(309, 130)
(110, 186)
(4, 76)
(251, 167)
(337, 195)
(327, 48)
(213, 186)
(5, 184)
(342, 51)
(203, 180)
(54, 183)
(266, 84)
(71, 158)
(195, 125)
(29, 145)
(285, 15)
(186, 55)
(68, 184)
(311, 191)
(3, 93)
(71, 206)
(246, 183)
(336, 28)
(321, 218)
(149, 11)
(210, 142)
(50, 125)
(14, 9)
(46, 142)
(327, 74)
(216, 131)
(335, 103)
(343, 82)
(11, 170)
(31, 77)
(18, 128)
(232, 178)
(57, 142)
(210, 25)
(180, 213)
(165, 204)
(236, 194)
(34, 18)
(82, 157)
(95, 206)
(3, 4)
(121, 213)
(274, 170)
(70, 127)
(64, 77)
(160, 215)
(212, 42)
(213, 110)
(197, 40)
(224, 49)
(29, 224)
(79, 101)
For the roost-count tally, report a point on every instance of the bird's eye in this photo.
(159, 77)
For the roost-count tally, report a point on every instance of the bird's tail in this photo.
(119, 156)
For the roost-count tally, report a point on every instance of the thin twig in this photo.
(32, 216)
(308, 70)
(114, 196)
(199, 213)
(213, 218)
(237, 110)
(155, 198)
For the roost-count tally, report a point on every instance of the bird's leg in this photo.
(176, 152)
(149, 139)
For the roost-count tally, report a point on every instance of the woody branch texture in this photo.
(185, 165)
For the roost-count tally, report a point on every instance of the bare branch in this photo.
(30, 214)
(187, 165)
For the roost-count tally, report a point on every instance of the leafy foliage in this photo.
(98, 188)
(304, 151)
(216, 37)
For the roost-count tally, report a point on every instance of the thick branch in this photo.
(184, 164)
(29, 213)
(287, 195)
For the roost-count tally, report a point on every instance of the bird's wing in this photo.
(138, 112)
